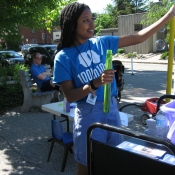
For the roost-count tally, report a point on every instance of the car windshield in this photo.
(51, 49)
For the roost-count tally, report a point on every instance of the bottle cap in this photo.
(108, 54)
(109, 51)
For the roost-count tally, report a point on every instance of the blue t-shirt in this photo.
(84, 63)
(35, 71)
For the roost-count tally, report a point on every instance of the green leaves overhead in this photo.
(103, 21)
(29, 13)
(119, 7)
(155, 12)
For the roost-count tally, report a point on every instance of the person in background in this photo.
(41, 75)
(81, 68)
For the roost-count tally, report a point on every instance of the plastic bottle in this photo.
(66, 105)
(162, 126)
(107, 87)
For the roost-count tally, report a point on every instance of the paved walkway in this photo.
(23, 140)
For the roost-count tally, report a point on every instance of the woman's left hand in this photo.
(106, 77)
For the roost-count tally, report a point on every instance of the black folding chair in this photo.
(104, 159)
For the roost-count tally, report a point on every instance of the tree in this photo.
(37, 14)
(130, 6)
(103, 21)
(121, 7)
(124, 7)
(109, 18)
(155, 12)
(140, 6)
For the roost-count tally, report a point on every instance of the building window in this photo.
(138, 27)
(33, 30)
(34, 41)
(43, 35)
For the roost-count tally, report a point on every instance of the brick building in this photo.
(30, 36)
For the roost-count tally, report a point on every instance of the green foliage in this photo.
(103, 21)
(164, 55)
(109, 19)
(130, 55)
(1, 48)
(131, 6)
(28, 13)
(11, 94)
(121, 50)
(140, 6)
(12, 41)
(124, 7)
(155, 12)
(12, 71)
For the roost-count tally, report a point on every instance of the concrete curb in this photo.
(153, 59)
(147, 61)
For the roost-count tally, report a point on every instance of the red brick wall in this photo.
(37, 36)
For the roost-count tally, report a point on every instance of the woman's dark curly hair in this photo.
(68, 23)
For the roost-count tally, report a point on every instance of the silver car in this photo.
(25, 48)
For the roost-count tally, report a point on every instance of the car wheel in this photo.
(26, 59)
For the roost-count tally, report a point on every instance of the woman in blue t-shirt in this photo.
(79, 67)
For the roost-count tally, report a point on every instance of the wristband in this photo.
(92, 85)
(90, 88)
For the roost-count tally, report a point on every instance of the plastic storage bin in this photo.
(169, 109)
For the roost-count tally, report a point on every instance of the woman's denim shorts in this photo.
(85, 115)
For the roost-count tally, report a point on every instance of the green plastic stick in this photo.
(107, 87)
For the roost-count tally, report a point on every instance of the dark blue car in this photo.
(8, 58)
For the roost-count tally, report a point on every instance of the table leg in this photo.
(50, 140)
(54, 117)
(67, 119)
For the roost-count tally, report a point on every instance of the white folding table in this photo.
(57, 110)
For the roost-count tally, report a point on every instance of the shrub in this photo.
(11, 94)
(164, 55)
(130, 55)
(121, 50)
(1, 47)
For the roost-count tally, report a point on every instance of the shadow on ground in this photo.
(24, 146)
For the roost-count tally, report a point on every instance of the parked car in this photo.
(10, 57)
(46, 51)
(50, 49)
(25, 48)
